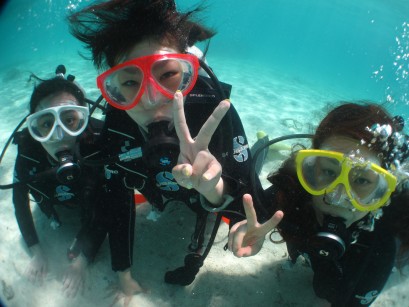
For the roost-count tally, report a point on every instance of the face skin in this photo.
(344, 145)
(144, 112)
(54, 146)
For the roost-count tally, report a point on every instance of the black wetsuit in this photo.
(357, 278)
(360, 275)
(47, 191)
(121, 134)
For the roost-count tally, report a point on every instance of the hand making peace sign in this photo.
(197, 168)
(246, 237)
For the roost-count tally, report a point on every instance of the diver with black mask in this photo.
(328, 203)
(48, 170)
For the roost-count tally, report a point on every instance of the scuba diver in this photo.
(174, 138)
(339, 205)
(47, 168)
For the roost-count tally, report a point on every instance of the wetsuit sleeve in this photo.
(22, 209)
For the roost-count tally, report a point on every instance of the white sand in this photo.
(272, 103)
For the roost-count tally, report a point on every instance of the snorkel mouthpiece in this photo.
(68, 171)
(161, 150)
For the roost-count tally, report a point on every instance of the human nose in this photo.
(58, 134)
(338, 195)
(152, 97)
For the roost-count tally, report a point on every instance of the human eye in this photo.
(167, 75)
(168, 72)
(70, 119)
(363, 178)
(330, 173)
(130, 83)
(46, 122)
(361, 181)
(329, 168)
(130, 77)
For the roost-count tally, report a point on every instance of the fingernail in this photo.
(186, 172)
(206, 177)
(178, 93)
(226, 104)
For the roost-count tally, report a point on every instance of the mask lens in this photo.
(173, 74)
(123, 85)
(41, 126)
(320, 172)
(367, 185)
(73, 120)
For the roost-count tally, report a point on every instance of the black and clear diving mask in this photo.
(52, 123)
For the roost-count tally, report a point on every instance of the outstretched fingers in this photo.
(272, 222)
(206, 132)
(251, 214)
(182, 130)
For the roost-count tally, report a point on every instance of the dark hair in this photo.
(351, 120)
(55, 86)
(399, 122)
(110, 29)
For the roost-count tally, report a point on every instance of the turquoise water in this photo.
(286, 59)
(349, 47)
